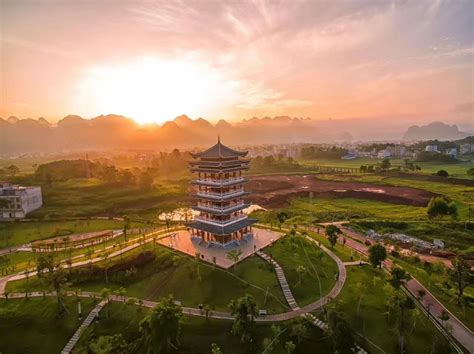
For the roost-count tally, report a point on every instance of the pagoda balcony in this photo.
(219, 182)
(217, 210)
(221, 196)
(220, 222)
(218, 169)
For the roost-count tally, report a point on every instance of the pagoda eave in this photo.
(221, 230)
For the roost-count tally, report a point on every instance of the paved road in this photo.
(462, 334)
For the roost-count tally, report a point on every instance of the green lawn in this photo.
(197, 334)
(92, 197)
(294, 251)
(457, 169)
(12, 234)
(172, 273)
(32, 326)
(365, 285)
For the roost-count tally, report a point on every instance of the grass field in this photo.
(32, 326)
(365, 285)
(197, 334)
(92, 197)
(12, 234)
(172, 273)
(294, 251)
(457, 169)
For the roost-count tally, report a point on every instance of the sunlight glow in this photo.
(154, 90)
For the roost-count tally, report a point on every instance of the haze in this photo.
(152, 62)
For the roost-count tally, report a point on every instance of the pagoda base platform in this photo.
(184, 242)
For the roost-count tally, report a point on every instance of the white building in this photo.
(16, 201)
(465, 149)
(452, 152)
(431, 148)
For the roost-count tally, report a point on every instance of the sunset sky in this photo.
(153, 61)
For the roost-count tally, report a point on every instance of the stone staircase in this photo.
(282, 280)
(75, 338)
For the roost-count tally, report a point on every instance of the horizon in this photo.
(374, 61)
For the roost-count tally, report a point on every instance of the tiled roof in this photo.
(221, 230)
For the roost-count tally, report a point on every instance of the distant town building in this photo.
(382, 154)
(219, 192)
(16, 201)
(452, 152)
(465, 149)
(431, 148)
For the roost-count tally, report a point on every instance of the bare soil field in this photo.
(276, 190)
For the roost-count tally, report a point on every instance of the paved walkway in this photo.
(281, 279)
(75, 338)
(459, 331)
(33, 272)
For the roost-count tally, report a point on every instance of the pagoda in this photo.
(219, 191)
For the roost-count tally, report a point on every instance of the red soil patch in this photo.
(276, 191)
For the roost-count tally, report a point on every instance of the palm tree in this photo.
(300, 270)
(105, 295)
(162, 327)
(234, 256)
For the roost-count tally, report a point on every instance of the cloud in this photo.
(33, 46)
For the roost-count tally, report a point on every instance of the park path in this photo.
(433, 307)
(87, 322)
(281, 279)
(33, 272)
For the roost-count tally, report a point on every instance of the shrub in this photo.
(442, 173)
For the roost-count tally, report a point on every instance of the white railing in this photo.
(219, 209)
(221, 181)
(220, 222)
(220, 195)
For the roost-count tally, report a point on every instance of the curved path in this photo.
(197, 312)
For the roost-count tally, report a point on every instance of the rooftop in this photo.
(219, 151)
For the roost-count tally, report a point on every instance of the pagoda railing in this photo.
(220, 222)
(212, 208)
(220, 182)
(220, 195)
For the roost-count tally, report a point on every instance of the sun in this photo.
(154, 90)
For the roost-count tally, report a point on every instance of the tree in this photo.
(439, 207)
(105, 295)
(109, 344)
(470, 172)
(161, 328)
(290, 347)
(444, 316)
(377, 254)
(332, 231)
(421, 294)
(215, 349)
(58, 281)
(400, 311)
(12, 170)
(126, 226)
(299, 330)
(385, 164)
(281, 217)
(300, 270)
(442, 173)
(398, 277)
(244, 310)
(145, 180)
(234, 256)
(461, 274)
(340, 332)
